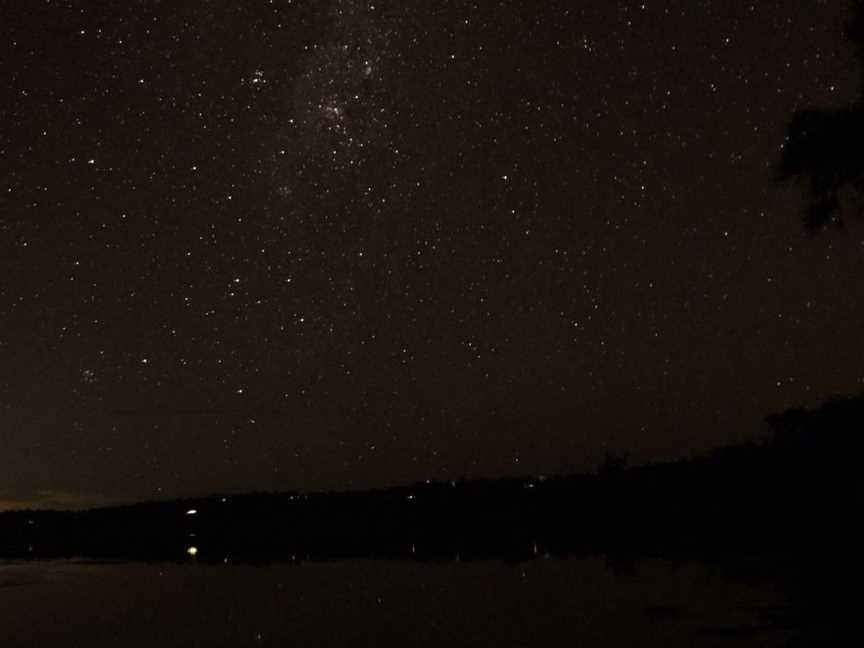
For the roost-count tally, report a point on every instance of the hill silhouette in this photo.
(791, 492)
(783, 509)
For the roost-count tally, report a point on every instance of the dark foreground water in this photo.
(545, 602)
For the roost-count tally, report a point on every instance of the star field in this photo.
(340, 244)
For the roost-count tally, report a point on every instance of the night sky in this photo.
(322, 244)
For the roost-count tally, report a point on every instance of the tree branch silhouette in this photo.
(823, 151)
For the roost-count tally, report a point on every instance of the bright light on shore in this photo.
(192, 551)
(191, 512)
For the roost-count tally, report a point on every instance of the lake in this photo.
(585, 601)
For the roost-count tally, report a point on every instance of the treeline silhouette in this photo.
(795, 492)
(784, 510)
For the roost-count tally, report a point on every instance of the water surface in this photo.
(583, 601)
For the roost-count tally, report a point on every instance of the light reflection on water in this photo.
(383, 603)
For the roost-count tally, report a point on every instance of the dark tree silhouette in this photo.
(614, 463)
(786, 510)
(824, 151)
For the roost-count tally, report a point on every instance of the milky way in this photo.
(272, 245)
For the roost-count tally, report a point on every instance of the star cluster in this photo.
(296, 244)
